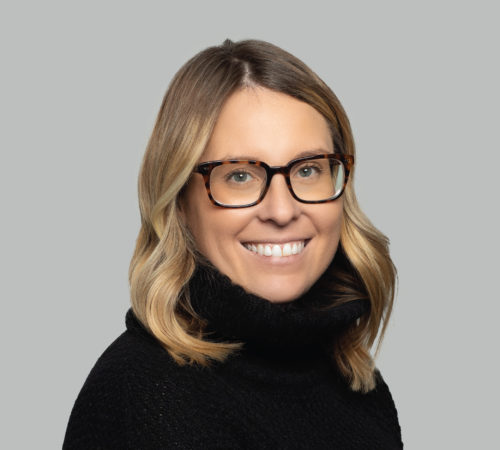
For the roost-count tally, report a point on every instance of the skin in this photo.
(257, 123)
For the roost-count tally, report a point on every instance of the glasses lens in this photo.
(237, 184)
(317, 179)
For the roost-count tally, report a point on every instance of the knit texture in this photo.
(282, 391)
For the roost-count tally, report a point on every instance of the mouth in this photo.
(280, 250)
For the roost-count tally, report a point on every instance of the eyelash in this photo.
(315, 167)
(230, 175)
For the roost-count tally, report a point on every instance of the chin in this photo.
(282, 300)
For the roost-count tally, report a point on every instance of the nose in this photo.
(278, 205)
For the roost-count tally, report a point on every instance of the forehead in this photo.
(257, 123)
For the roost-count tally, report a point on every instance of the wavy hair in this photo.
(165, 254)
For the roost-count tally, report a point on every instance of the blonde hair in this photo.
(165, 255)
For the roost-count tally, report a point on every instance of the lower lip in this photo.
(279, 260)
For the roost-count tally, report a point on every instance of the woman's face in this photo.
(274, 128)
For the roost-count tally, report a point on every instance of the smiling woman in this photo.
(276, 128)
(258, 286)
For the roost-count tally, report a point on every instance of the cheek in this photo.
(330, 222)
(223, 226)
(215, 230)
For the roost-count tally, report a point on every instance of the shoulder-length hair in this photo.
(165, 255)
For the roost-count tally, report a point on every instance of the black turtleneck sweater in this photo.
(281, 391)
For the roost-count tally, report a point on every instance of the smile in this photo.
(279, 250)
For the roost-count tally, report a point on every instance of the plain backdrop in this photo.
(81, 84)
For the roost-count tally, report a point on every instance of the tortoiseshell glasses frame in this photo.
(205, 169)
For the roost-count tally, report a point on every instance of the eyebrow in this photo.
(318, 151)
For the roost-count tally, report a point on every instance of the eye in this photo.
(307, 171)
(238, 176)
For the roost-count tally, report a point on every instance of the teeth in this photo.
(288, 249)
(277, 250)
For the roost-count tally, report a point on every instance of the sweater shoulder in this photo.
(386, 406)
(128, 353)
(103, 413)
(130, 359)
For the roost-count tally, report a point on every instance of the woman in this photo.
(258, 286)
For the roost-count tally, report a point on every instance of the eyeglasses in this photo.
(243, 183)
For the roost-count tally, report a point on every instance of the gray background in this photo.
(81, 83)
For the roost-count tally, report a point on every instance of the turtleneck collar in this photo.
(304, 324)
